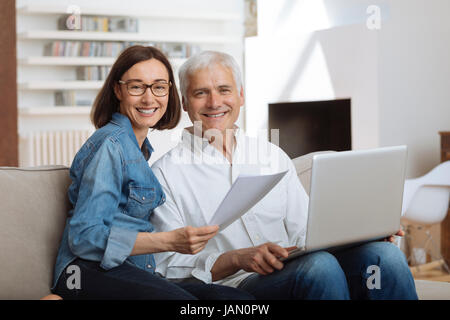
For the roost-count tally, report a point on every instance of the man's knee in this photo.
(388, 271)
(319, 267)
(320, 276)
(385, 255)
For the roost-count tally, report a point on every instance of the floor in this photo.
(433, 271)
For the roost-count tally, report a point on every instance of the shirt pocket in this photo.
(141, 201)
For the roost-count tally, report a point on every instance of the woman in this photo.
(108, 241)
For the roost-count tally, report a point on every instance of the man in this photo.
(197, 174)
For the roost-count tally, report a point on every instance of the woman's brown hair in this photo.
(106, 102)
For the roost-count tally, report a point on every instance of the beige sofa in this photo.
(33, 207)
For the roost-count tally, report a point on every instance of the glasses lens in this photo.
(160, 89)
(135, 88)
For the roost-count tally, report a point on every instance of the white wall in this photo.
(397, 76)
(414, 79)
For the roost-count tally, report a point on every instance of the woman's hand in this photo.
(188, 240)
(191, 240)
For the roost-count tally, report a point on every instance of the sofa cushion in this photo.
(33, 209)
(303, 166)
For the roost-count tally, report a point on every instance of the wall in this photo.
(414, 80)
(397, 76)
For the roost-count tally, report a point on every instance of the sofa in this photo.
(33, 208)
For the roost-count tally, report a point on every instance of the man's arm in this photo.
(263, 259)
(296, 207)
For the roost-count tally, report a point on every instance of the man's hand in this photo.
(263, 259)
(391, 239)
(191, 240)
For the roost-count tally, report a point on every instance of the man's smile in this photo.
(215, 115)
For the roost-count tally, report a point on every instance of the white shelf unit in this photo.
(61, 85)
(79, 61)
(54, 111)
(36, 34)
(208, 24)
(124, 36)
(39, 9)
(66, 61)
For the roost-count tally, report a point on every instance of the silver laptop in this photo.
(355, 197)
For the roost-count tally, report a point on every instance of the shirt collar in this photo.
(123, 122)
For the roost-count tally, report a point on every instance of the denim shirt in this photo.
(113, 193)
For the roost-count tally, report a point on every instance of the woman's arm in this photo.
(188, 240)
(93, 235)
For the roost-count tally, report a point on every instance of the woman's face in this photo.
(146, 110)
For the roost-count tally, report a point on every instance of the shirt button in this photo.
(143, 198)
(149, 266)
(257, 237)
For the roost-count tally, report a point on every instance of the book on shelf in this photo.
(65, 48)
(99, 24)
(71, 98)
(83, 49)
(92, 73)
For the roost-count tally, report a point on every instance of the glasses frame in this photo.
(146, 87)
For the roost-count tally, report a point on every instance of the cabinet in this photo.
(445, 225)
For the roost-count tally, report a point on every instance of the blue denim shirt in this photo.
(113, 193)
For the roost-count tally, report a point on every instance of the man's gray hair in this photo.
(203, 60)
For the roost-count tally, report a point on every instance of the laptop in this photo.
(355, 197)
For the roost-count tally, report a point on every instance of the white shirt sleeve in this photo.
(174, 265)
(296, 208)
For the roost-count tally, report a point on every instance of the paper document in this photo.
(245, 192)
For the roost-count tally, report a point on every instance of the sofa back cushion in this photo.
(303, 167)
(33, 210)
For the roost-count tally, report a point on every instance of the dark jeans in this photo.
(129, 282)
(344, 274)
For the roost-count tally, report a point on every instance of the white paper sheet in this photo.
(245, 192)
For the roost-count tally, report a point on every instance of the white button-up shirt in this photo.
(195, 177)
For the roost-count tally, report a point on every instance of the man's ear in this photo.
(241, 96)
(184, 103)
(117, 91)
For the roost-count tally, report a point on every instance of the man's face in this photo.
(213, 98)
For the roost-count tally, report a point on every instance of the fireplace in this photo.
(312, 126)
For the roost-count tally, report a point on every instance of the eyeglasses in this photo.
(137, 88)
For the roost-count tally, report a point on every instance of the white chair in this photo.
(426, 202)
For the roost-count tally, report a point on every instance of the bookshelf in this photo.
(38, 26)
(45, 73)
(39, 9)
(66, 61)
(54, 111)
(61, 85)
(124, 36)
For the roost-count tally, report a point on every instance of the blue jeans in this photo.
(342, 274)
(129, 282)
